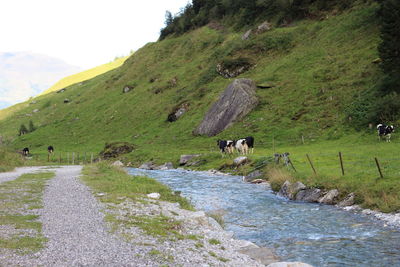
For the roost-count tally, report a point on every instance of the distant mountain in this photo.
(26, 74)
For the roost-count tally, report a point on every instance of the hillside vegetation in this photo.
(317, 68)
(85, 75)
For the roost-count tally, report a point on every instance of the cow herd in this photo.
(242, 146)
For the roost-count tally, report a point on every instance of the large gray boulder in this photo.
(253, 175)
(240, 161)
(238, 99)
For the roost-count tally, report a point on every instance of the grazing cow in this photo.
(250, 143)
(25, 151)
(385, 131)
(241, 146)
(50, 149)
(222, 144)
(226, 146)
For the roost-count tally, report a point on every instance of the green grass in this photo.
(318, 69)
(17, 199)
(118, 186)
(116, 183)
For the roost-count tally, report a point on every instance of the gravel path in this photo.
(75, 229)
(9, 176)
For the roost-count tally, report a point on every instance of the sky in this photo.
(81, 33)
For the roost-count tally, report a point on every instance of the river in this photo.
(320, 235)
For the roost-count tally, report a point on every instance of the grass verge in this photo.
(17, 200)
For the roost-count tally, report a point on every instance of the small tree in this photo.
(31, 127)
(23, 130)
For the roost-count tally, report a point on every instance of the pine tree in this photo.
(389, 49)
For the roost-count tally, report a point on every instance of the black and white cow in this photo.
(225, 146)
(250, 143)
(385, 131)
(50, 149)
(25, 151)
(241, 146)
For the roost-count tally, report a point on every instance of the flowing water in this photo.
(320, 235)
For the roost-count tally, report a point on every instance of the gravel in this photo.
(73, 222)
(9, 176)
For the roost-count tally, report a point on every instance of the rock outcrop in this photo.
(238, 99)
(115, 149)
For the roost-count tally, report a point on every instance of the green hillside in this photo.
(85, 75)
(318, 69)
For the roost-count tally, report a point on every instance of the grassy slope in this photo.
(85, 75)
(324, 66)
(67, 81)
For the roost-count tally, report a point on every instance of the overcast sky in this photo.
(84, 33)
(81, 33)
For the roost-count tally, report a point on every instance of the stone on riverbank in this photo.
(148, 166)
(185, 159)
(348, 201)
(165, 166)
(329, 198)
(289, 190)
(240, 160)
(253, 175)
(309, 195)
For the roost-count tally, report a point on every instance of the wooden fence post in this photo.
(59, 159)
(379, 167)
(77, 158)
(302, 139)
(341, 162)
(73, 158)
(291, 164)
(48, 157)
(312, 166)
(91, 158)
(84, 160)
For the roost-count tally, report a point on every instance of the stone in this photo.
(240, 161)
(246, 35)
(117, 163)
(265, 26)
(165, 166)
(33, 102)
(348, 201)
(214, 224)
(35, 110)
(289, 264)
(127, 89)
(67, 100)
(329, 198)
(309, 195)
(257, 181)
(262, 255)
(154, 195)
(147, 166)
(61, 90)
(253, 175)
(113, 150)
(186, 158)
(289, 190)
(237, 100)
